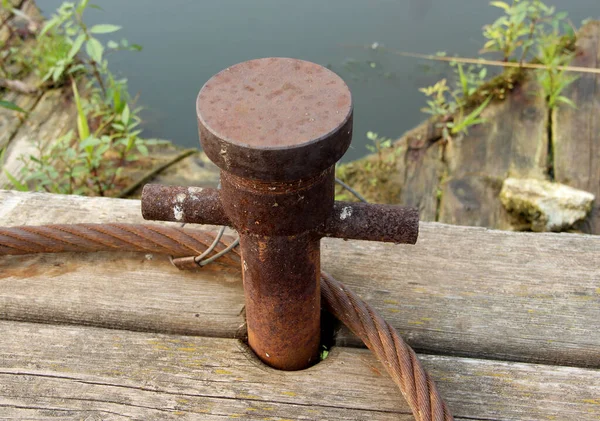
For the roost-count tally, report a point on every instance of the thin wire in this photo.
(351, 190)
(219, 254)
(198, 259)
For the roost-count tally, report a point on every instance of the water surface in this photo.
(187, 41)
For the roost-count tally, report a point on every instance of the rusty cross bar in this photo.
(276, 127)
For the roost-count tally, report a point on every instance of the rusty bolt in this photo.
(276, 127)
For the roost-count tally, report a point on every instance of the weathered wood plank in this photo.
(10, 121)
(513, 143)
(128, 291)
(477, 292)
(408, 173)
(88, 373)
(419, 171)
(79, 278)
(115, 374)
(458, 181)
(51, 118)
(460, 290)
(473, 200)
(576, 132)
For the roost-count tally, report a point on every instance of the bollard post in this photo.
(276, 127)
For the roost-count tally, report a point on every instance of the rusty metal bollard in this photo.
(276, 127)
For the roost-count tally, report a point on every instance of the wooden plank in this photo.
(78, 278)
(419, 171)
(89, 373)
(576, 132)
(80, 372)
(11, 121)
(459, 181)
(477, 292)
(473, 200)
(122, 291)
(51, 118)
(459, 291)
(408, 173)
(480, 161)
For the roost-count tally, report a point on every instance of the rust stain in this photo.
(32, 266)
(262, 251)
(592, 401)
(289, 393)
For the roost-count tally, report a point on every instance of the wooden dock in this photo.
(508, 324)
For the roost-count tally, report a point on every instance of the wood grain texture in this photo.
(473, 200)
(483, 293)
(576, 132)
(408, 173)
(128, 291)
(419, 170)
(74, 372)
(460, 291)
(52, 116)
(10, 121)
(512, 143)
(159, 158)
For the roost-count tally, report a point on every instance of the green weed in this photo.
(90, 160)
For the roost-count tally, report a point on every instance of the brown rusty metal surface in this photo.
(275, 119)
(276, 127)
(283, 299)
(183, 204)
(279, 224)
(274, 102)
(269, 208)
(365, 221)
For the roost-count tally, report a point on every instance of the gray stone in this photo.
(544, 205)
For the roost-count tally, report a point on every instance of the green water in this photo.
(187, 41)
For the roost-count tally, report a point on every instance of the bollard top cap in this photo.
(275, 119)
